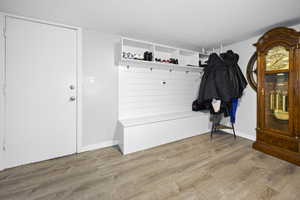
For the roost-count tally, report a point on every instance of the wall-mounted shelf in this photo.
(187, 60)
(158, 65)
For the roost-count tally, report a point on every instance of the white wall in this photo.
(100, 89)
(246, 113)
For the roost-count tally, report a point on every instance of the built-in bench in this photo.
(142, 133)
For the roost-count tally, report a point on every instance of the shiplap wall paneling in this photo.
(143, 92)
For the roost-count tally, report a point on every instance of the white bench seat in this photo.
(141, 133)
(158, 118)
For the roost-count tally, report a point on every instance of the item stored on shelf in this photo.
(148, 56)
(170, 60)
(135, 56)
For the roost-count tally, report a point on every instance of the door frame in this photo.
(79, 75)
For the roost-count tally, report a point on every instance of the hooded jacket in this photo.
(237, 77)
(216, 81)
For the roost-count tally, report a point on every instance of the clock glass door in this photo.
(276, 95)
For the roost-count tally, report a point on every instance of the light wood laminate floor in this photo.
(196, 168)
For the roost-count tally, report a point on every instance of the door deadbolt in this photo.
(72, 98)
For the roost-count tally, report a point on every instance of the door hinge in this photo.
(4, 146)
(4, 89)
(4, 143)
(4, 32)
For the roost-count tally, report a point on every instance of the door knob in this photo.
(72, 98)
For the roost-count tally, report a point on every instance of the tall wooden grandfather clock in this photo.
(278, 94)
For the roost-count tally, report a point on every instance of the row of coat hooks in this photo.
(170, 70)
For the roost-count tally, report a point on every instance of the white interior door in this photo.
(41, 80)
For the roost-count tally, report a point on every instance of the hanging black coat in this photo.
(242, 80)
(216, 81)
(236, 75)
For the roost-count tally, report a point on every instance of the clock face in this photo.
(277, 58)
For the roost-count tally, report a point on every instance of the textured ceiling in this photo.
(186, 23)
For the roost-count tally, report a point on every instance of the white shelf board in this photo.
(166, 49)
(152, 64)
(137, 43)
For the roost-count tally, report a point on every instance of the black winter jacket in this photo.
(236, 75)
(216, 81)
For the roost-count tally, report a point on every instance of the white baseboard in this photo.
(109, 143)
(244, 135)
(92, 147)
(247, 136)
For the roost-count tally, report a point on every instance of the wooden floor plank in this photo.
(196, 168)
